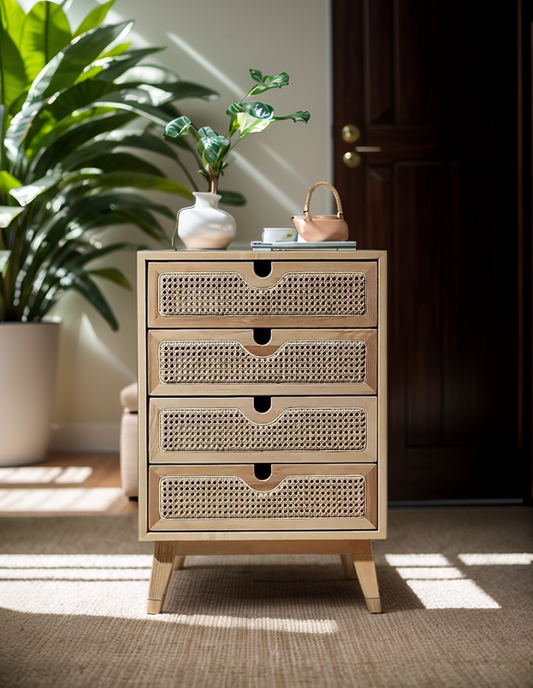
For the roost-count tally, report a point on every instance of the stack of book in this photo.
(299, 245)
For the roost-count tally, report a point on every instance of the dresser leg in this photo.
(366, 572)
(347, 564)
(178, 562)
(162, 567)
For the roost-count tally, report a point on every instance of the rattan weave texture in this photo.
(294, 362)
(309, 496)
(294, 294)
(295, 429)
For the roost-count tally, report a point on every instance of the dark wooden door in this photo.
(433, 84)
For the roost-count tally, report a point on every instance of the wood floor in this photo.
(65, 484)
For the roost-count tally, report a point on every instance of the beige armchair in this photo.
(129, 425)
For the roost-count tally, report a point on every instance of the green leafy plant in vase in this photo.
(79, 108)
(204, 225)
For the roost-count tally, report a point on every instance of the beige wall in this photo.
(213, 42)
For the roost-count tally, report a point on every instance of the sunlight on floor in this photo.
(438, 572)
(438, 584)
(506, 559)
(75, 567)
(67, 561)
(86, 578)
(451, 594)
(45, 474)
(76, 499)
(308, 626)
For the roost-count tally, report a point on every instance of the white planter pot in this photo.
(204, 225)
(28, 365)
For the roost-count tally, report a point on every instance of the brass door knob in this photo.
(351, 159)
(350, 133)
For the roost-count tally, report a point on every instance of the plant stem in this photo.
(213, 179)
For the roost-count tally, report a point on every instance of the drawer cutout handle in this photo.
(262, 335)
(262, 471)
(262, 404)
(262, 268)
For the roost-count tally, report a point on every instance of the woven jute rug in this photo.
(456, 585)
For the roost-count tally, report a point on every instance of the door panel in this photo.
(433, 84)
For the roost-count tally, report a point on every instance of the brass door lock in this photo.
(351, 134)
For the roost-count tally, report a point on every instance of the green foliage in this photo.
(245, 118)
(77, 111)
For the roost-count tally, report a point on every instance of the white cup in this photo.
(271, 234)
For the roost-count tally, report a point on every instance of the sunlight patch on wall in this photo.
(207, 65)
(88, 336)
(277, 194)
(295, 172)
(438, 584)
(114, 17)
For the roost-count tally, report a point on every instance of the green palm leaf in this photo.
(7, 213)
(12, 74)
(113, 162)
(138, 180)
(113, 67)
(71, 136)
(63, 69)
(79, 97)
(68, 163)
(12, 18)
(79, 280)
(94, 18)
(113, 275)
(46, 31)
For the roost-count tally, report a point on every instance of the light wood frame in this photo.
(278, 271)
(279, 473)
(245, 405)
(279, 339)
(172, 547)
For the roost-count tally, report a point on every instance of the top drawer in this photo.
(229, 294)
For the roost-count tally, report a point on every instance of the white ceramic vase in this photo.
(28, 365)
(204, 225)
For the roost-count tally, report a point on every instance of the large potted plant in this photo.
(75, 108)
(204, 225)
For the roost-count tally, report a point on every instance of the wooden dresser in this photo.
(262, 406)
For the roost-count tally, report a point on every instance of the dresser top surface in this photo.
(243, 252)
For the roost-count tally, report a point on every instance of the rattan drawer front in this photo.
(295, 497)
(230, 362)
(295, 429)
(217, 294)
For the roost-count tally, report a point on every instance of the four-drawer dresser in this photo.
(262, 406)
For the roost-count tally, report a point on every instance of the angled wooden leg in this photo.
(347, 564)
(178, 562)
(366, 572)
(162, 567)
